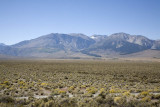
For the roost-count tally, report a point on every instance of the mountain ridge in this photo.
(58, 45)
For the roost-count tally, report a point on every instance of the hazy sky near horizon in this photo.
(27, 19)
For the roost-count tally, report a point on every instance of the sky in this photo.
(28, 19)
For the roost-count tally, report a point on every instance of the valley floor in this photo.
(114, 82)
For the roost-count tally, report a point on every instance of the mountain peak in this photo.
(76, 34)
(120, 35)
(125, 36)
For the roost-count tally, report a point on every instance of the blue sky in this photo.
(28, 19)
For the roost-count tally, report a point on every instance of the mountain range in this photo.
(77, 45)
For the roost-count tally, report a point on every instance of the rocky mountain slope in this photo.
(57, 45)
(123, 43)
